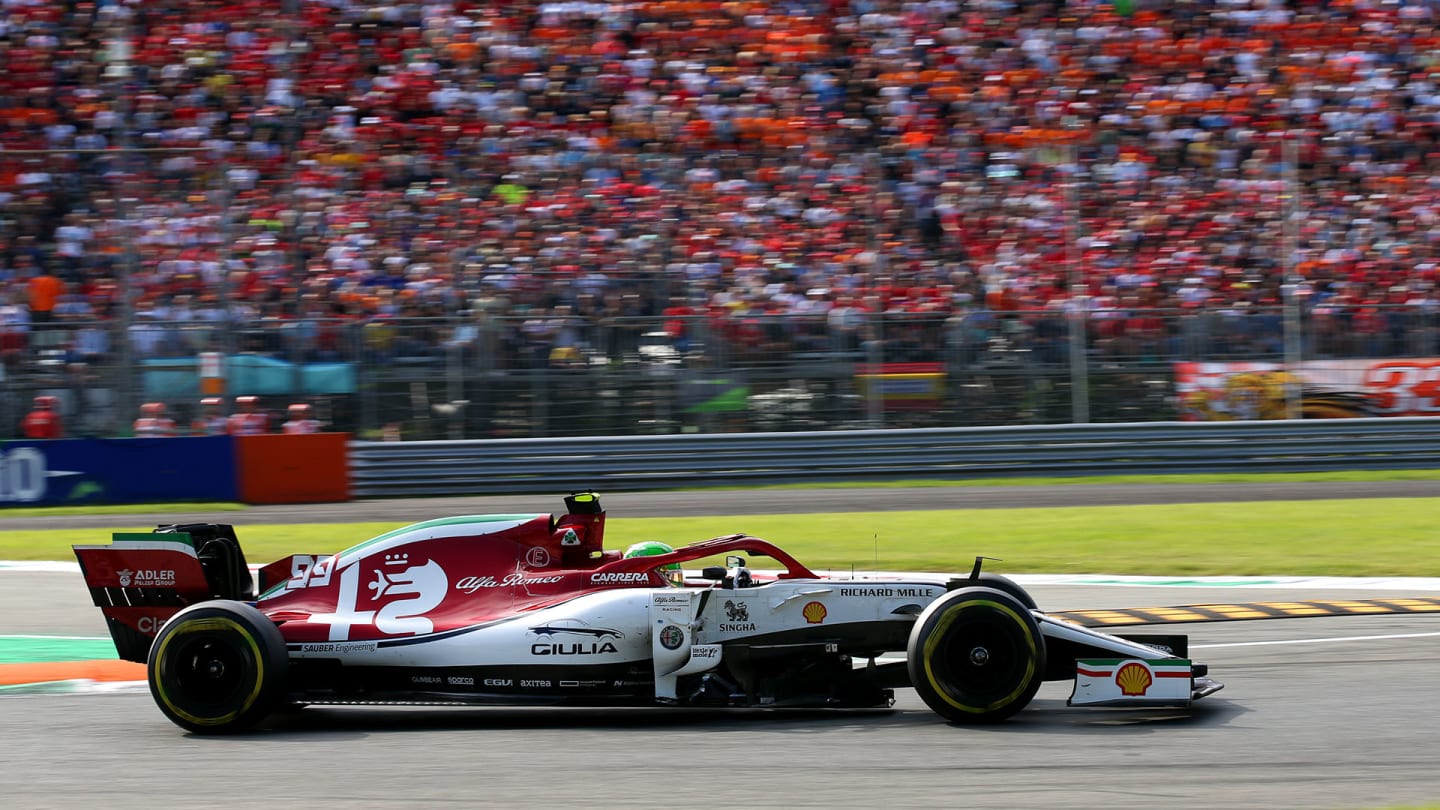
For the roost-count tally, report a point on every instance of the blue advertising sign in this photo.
(143, 470)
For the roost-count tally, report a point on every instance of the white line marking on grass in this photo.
(8, 636)
(1277, 642)
(1360, 583)
(1099, 580)
(40, 566)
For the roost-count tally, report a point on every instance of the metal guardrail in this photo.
(388, 469)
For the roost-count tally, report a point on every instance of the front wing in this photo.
(1110, 670)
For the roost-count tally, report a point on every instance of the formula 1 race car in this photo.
(533, 610)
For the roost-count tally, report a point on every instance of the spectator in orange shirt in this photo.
(45, 292)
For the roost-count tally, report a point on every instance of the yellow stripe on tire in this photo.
(204, 625)
(937, 633)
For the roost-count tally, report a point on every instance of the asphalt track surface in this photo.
(1322, 713)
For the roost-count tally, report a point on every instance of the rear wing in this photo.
(142, 579)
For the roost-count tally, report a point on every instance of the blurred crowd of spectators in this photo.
(581, 161)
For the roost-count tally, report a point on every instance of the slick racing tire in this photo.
(976, 655)
(217, 667)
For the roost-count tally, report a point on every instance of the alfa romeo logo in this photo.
(671, 637)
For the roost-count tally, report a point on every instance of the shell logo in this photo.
(1134, 679)
(814, 612)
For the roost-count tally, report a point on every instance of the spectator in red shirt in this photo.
(44, 421)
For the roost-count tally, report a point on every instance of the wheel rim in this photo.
(982, 660)
(209, 673)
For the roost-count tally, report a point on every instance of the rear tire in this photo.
(218, 667)
(976, 655)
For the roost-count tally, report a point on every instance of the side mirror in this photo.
(712, 572)
(734, 561)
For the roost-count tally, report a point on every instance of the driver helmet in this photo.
(650, 548)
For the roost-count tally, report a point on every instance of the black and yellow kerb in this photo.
(1248, 610)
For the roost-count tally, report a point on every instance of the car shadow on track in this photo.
(1042, 717)
(1054, 717)
(385, 720)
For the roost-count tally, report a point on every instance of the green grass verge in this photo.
(1182, 478)
(1106, 480)
(116, 509)
(1365, 537)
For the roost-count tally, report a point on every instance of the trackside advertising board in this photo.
(903, 386)
(293, 468)
(77, 471)
(1327, 388)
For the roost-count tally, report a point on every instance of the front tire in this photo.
(1010, 586)
(976, 655)
(217, 667)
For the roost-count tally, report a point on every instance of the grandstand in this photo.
(493, 203)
